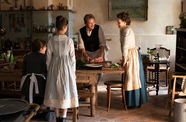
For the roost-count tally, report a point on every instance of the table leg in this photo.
(3, 85)
(157, 78)
(74, 114)
(145, 72)
(96, 93)
(93, 90)
(96, 88)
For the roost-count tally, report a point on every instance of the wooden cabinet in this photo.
(20, 25)
(46, 20)
(180, 64)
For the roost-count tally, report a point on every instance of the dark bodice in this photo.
(34, 63)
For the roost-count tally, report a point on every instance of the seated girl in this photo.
(34, 73)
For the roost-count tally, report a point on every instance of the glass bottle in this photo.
(11, 56)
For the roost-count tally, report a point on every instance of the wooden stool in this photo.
(86, 94)
(115, 84)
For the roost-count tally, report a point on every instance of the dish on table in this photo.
(93, 65)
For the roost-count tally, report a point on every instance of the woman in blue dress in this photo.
(131, 59)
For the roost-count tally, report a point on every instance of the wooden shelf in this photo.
(183, 66)
(180, 48)
(181, 29)
(54, 10)
(180, 64)
(42, 32)
(36, 10)
(15, 10)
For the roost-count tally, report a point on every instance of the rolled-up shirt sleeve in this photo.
(102, 41)
(125, 42)
(80, 41)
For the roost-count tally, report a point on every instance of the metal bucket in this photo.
(180, 110)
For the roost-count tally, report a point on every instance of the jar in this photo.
(53, 29)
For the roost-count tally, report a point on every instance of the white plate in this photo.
(93, 65)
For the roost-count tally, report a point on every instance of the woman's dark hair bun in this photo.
(59, 18)
(124, 16)
(61, 22)
(127, 14)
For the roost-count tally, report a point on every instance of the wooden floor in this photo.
(155, 111)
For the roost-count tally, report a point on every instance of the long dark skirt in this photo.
(37, 98)
(135, 98)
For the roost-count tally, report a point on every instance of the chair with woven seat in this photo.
(110, 87)
(164, 54)
(174, 89)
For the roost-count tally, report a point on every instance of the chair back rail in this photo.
(161, 51)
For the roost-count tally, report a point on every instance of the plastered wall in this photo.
(161, 13)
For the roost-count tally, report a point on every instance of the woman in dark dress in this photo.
(34, 73)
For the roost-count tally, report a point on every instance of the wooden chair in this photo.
(115, 84)
(9, 84)
(173, 90)
(84, 93)
(145, 60)
(163, 52)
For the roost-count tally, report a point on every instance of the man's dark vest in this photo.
(91, 42)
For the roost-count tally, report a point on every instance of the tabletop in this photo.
(159, 62)
(96, 71)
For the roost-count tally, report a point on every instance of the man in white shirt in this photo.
(92, 40)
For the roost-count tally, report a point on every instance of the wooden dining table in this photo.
(90, 76)
(82, 76)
